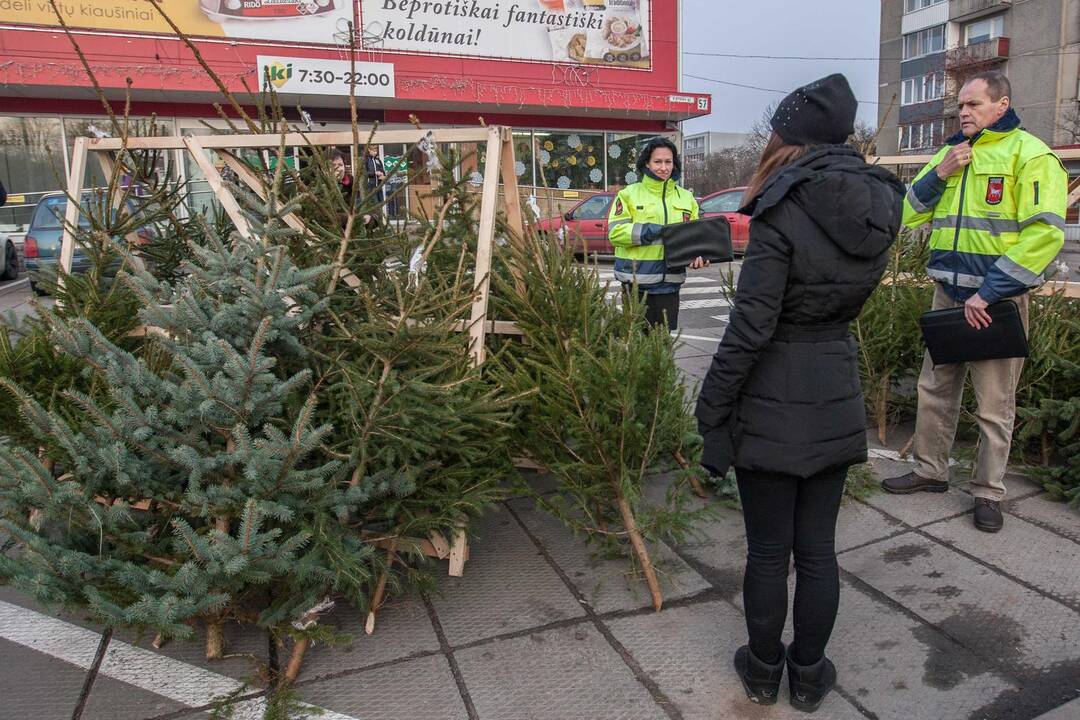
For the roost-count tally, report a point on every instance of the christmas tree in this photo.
(602, 405)
(192, 487)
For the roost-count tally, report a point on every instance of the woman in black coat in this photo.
(782, 401)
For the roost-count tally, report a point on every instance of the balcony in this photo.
(965, 10)
(978, 56)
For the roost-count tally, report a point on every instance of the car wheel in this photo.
(11, 262)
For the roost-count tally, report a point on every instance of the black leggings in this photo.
(659, 308)
(786, 514)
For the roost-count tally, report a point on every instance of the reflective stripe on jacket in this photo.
(634, 223)
(998, 223)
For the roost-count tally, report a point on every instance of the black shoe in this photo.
(760, 679)
(912, 483)
(809, 684)
(988, 515)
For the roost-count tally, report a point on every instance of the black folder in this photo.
(950, 339)
(709, 239)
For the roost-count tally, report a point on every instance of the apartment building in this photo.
(698, 146)
(929, 47)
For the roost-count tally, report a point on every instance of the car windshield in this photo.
(724, 202)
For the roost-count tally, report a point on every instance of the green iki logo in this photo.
(278, 74)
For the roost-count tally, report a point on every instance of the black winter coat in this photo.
(783, 392)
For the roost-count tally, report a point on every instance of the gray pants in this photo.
(941, 389)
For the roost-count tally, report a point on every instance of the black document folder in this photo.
(950, 339)
(709, 239)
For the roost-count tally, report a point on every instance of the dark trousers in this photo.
(659, 309)
(786, 515)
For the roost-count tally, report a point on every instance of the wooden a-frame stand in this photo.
(499, 163)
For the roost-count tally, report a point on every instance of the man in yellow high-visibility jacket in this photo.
(995, 199)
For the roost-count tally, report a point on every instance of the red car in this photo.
(726, 202)
(584, 225)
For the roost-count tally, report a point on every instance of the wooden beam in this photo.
(484, 246)
(71, 214)
(314, 139)
(213, 177)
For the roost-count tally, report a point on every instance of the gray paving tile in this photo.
(247, 647)
(421, 689)
(1021, 549)
(719, 551)
(920, 508)
(1068, 711)
(687, 350)
(36, 685)
(565, 674)
(984, 611)
(688, 651)
(402, 628)
(1056, 516)
(608, 584)
(858, 524)
(695, 366)
(897, 667)
(507, 586)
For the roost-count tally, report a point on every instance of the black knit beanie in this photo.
(822, 112)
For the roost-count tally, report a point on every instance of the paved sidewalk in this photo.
(937, 621)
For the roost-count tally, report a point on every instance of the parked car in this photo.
(584, 225)
(45, 234)
(726, 202)
(9, 259)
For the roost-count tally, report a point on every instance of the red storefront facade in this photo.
(583, 115)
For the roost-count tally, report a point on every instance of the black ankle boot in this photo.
(760, 679)
(810, 684)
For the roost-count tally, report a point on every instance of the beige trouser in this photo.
(941, 389)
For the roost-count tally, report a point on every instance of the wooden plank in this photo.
(71, 215)
(107, 163)
(484, 246)
(459, 550)
(1070, 289)
(440, 544)
(213, 177)
(511, 195)
(315, 139)
(525, 463)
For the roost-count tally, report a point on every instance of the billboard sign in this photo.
(311, 22)
(612, 33)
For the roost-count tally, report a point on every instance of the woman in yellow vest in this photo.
(639, 212)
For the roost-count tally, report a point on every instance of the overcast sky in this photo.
(836, 28)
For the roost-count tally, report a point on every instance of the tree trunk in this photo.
(215, 639)
(1047, 448)
(694, 482)
(296, 659)
(882, 409)
(639, 548)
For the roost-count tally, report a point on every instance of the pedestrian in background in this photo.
(639, 212)
(782, 400)
(375, 172)
(995, 199)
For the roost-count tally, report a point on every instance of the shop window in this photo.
(622, 155)
(31, 164)
(570, 160)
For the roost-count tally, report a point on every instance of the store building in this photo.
(582, 82)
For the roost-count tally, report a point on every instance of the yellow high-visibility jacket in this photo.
(997, 224)
(634, 223)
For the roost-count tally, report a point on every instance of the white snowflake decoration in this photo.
(596, 175)
(615, 151)
(563, 182)
(574, 141)
(631, 177)
(519, 168)
(545, 157)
